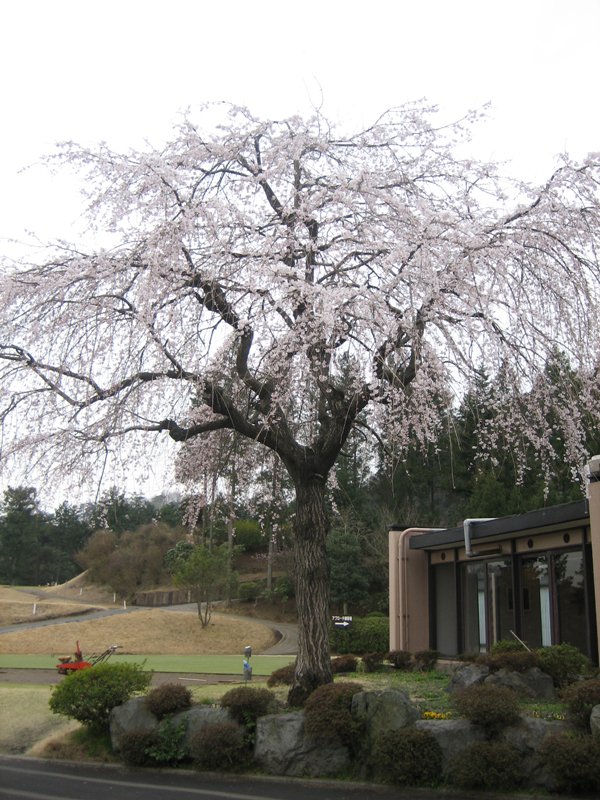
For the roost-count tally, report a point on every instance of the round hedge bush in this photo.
(327, 712)
(580, 699)
(219, 746)
(491, 707)
(563, 662)
(486, 765)
(408, 756)
(373, 661)
(247, 592)
(134, 746)
(507, 646)
(345, 663)
(514, 661)
(425, 660)
(573, 761)
(170, 698)
(400, 659)
(90, 694)
(282, 676)
(246, 704)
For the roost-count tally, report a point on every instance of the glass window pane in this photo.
(445, 610)
(474, 607)
(500, 599)
(570, 599)
(537, 624)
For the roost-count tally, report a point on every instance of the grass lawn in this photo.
(26, 718)
(211, 665)
(30, 732)
(428, 691)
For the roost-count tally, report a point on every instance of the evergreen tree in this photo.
(20, 528)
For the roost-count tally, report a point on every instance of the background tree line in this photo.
(123, 540)
(39, 547)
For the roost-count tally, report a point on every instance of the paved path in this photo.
(36, 779)
(42, 593)
(50, 677)
(288, 633)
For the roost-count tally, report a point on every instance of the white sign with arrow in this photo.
(342, 622)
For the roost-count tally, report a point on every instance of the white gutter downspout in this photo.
(467, 531)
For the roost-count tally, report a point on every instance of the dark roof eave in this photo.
(508, 527)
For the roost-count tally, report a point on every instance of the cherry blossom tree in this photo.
(278, 278)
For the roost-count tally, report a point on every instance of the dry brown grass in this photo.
(151, 632)
(79, 589)
(30, 718)
(17, 607)
(17, 613)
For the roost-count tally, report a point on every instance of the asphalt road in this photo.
(51, 677)
(34, 779)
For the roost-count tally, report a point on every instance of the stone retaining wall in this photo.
(172, 597)
(282, 747)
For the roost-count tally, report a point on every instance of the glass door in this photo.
(537, 616)
(488, 607)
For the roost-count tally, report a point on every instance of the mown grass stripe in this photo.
(215, 665)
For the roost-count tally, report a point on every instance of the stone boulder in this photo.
(595, 720)
(132, 714)
(384, 711)
(282, 747)
(196, 718)
(470, 675)
(380, 712)
(452, 737)
(533, 683)
(526, 737)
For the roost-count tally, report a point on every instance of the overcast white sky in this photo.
(121, 71)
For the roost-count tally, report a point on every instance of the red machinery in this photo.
(69, 664)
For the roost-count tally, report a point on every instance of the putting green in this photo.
(211, 665)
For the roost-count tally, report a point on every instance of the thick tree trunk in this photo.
(311, 574)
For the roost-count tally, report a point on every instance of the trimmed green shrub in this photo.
(580, 699)
(408, 756)
(219, 746)
(345, 663)
(247, 592)
(425, 660)
(327, 712)
(284, 587)
(90, 694)
(168, 699)
(168, 749)
(573, 761)
(135, 745)
(369, 635)
(246, 704)
(400, 659)
(487, 765)
(373, 661)
(491, 707)
(248, 535)
(563, 662)
(372, 614)
(282, 676)
(514, 661)
(468, 658)
(507, 646)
